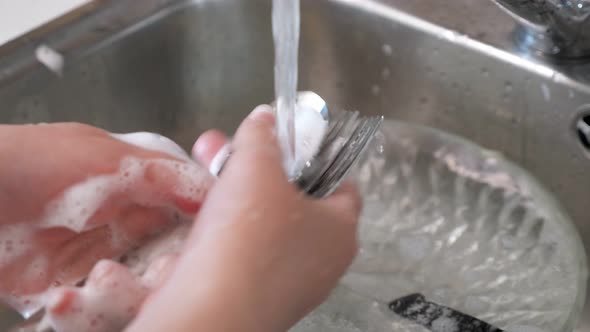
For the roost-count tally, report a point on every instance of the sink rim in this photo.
(18, 56)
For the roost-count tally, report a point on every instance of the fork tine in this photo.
(358, 132)
(360, 139)
(336, 140)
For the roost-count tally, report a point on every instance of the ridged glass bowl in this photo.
(462, 226)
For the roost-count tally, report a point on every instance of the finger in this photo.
(89, 308)
(108, 275)
(346, 201)
(256, 151)
(137, 224)
(75, 256)
(62, 300)
(207, 147)
(173, 183)
(159, 271)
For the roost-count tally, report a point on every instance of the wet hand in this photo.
(72, 194)
(261, 254)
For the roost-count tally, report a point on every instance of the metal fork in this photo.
(347, 136)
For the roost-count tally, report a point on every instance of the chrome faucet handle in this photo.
(556, 28)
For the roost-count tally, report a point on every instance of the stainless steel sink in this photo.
(179, 67)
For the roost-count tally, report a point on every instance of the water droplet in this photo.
(546, 92)
(555, 49)
(485, 72)
(571, 94)
(385, 73)
(376, 90)
(387, 49)
(508, 87)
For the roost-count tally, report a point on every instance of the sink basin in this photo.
(180, 67)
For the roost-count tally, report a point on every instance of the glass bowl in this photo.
(463, 226)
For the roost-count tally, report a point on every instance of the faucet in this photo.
(555, 28)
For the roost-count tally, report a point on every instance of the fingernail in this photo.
(219, 160)
(263, 112)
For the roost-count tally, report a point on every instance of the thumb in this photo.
(255, 146)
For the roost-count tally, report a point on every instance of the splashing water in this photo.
(285, 24)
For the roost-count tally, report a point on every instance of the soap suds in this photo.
(154, 142)
(82, 201)
(176, 187)
(14, 240)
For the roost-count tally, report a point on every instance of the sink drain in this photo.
(583, 131)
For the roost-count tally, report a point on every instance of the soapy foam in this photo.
(75, 208)
(36, 269)
(14, 242)
(154, 142)
(168, 243)
(91, 308)
(81, 201)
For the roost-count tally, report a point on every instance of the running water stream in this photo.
(285, 25)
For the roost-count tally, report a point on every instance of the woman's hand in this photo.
(72, 194)
(261, 254)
